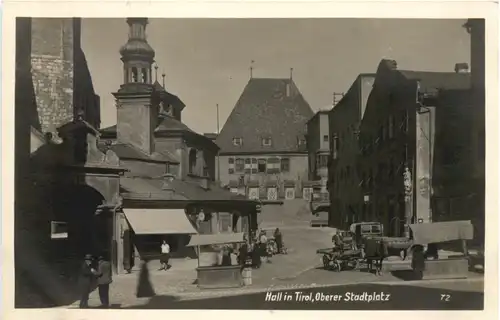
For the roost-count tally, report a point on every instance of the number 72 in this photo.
(445, 297)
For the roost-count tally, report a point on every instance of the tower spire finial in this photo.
(163, 78)
(251, 68)
(156, 72)
(291, 73)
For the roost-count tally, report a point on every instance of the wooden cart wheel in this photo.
(326, 262)
(337, 266)
(355, 265)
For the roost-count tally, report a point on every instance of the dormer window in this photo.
(237, 141)
(266, 142)
(301, 141)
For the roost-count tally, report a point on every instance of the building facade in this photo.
(344, 180)
(59, 172)
(318, 146)
(263, 149)
(476, 29)
(413, 129)
(169, 190)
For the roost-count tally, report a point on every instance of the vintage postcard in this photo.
(258, 160)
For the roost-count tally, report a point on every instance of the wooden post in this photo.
(464, 248)
(199, 254)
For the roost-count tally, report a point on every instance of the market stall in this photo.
(214, 275)
(425, 234)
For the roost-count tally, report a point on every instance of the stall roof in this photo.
(159, 221)
(222, 238)
(435, 232)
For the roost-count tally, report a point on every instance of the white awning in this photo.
(159, 221)
(222, 238)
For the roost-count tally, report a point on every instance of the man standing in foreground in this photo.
(104, 280)
(87, 276)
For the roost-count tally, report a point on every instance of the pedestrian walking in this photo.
(87, 276)
(165, 255)
(104, 279)
(278, 237)
(418, 261)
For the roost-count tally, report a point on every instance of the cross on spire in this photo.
(163, 80)
(291, 73)
(251, 68)
(156, 72)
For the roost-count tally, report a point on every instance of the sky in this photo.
(207, 61)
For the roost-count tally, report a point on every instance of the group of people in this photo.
(258, 247)
(95, 271)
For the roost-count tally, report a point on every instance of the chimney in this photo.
(461, 67)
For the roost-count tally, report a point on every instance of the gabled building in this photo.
(415, 130)
(344, 181)
(263, 152)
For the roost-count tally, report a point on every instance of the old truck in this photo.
(374, 231)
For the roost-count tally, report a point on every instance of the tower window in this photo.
(237, 141)
(144, 75)
(266, 142)
(134, 74)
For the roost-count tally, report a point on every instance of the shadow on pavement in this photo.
(384, 297)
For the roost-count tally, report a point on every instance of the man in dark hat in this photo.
(87, 275)
(104, 280)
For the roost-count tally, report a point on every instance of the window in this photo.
(192, 161)
(335, 146)
(144, 75)
(240, 165)
(134, 75)
(301, 141)
(404, 122)
(391, 127)
(285, 164)
(231, 165)
(266, 142)
(58, 230)
(248, 163)
(261, 165)
(322, 161)
(325, 138)
(273, 165)
(237, 141)
(254, 165)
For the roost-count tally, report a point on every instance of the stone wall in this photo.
(52, 70)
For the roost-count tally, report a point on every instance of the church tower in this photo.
(136, 108)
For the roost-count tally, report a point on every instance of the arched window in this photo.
(144, 75)
(134, 75)
(192, 161)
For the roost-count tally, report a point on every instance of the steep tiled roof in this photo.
(265, 111)
(167, 124)
(125, 151)
(438, 80)
(183, 190)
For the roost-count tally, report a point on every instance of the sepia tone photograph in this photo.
(263, 164)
